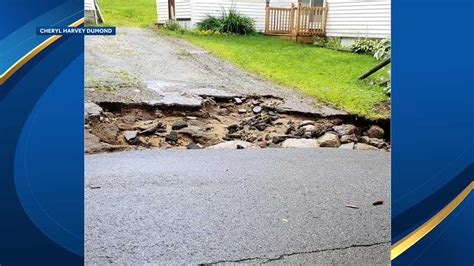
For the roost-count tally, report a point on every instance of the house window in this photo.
(312, 2)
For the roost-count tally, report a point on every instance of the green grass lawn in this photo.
(132, 13)
(329, 76)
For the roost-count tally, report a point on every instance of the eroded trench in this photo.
(236, 122)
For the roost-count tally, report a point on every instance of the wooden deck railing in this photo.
(296, 21)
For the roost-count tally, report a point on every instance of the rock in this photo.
(319, 130)
(233, 128)
(290, 129)
(127, 122)
(179, 125)
(329, 140)
(165, 146)
(347, 129)
(278, 138)
(160, 128)
(261, 126)
(262, 144)
(348, 138)
(106, 132)
(233, 144)
(379, 143)
(146, 124)
(309, 128)
(272, 113)
(375, 132)
(257, 109)
(242, 111)
(363, 146)
(251, 139)
(172, 136)
(130, 135)
(233, 136)
(92, 144)
(299, 132)
(92, 110)
(193, 146)
(305, 123)
(348, 146)
(237, 100)
(300, 143)
(199, 136)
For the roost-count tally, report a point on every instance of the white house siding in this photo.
(358, 18)
(162, 7)
(254, 9)
(89, 5)
(90, 11)
(197, 10)
(183, 10)
(346, 18)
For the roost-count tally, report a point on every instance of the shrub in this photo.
(383, 49)
(333, 43)
(234, 22)
(228, 22)
(210, 23)
(172, 25)
(364, 46)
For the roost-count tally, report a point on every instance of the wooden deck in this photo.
(298, 22)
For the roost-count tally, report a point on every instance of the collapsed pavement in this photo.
(216, 120)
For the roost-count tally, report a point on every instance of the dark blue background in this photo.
(432, 123)
(41, 154)
(41, 144)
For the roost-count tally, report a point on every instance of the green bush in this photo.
(172, 25)
(210, 23)
(233, 22)
(364, 46)
(333, 43)
(383, 49)
(228, 22)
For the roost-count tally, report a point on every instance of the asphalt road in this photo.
(251, 206)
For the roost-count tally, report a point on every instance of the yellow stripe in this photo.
(409, 240)
(27, 57)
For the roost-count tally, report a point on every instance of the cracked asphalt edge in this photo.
(264, 260)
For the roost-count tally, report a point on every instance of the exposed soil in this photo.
(244, 122)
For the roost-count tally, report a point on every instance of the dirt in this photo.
(255, 120)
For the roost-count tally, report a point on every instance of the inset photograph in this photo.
(244, 131)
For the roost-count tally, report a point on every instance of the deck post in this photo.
(267, 16)
(292, 19)
(298, 20)
(324, 18)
